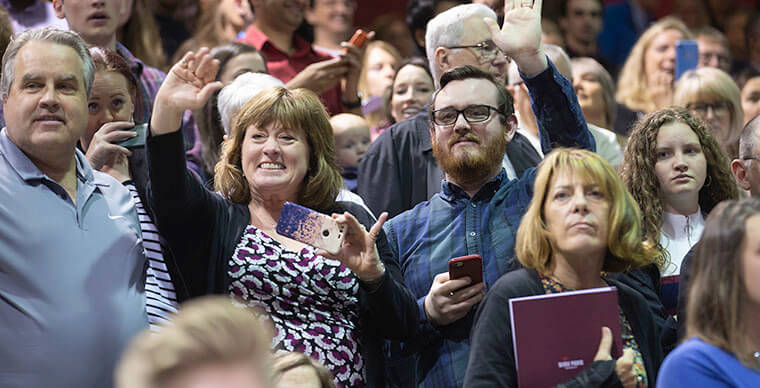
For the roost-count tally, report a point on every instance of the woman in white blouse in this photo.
(677, 172)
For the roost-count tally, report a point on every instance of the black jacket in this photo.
(399, 169)
(203, 229)
(492, 361)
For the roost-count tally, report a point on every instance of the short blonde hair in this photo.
(625, 244)
(708, 84)
(209, 330)
(284, 362)
(633, 90)
(298, 109)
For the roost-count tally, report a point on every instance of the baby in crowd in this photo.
(351, 142)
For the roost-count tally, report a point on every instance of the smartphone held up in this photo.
(310, 227)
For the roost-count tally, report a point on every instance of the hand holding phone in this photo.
(467, 266)
(310, 227)
(137, 141)
(359, 38)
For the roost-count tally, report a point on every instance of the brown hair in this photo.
(141, 36)
(284, 362)
(107, 60)
(298, 109)
(626, 247)
(208, 330)
(640, 179)
(717, 288)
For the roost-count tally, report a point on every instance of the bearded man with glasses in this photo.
(469, 125)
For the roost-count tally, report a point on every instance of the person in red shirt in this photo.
(294, 61)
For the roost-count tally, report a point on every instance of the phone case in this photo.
(471, 266)
(359, 38)
(687, 57)
(310, 227)
(137, 141)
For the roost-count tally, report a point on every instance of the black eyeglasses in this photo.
(473, 114)
(751, 157)
(486, 50)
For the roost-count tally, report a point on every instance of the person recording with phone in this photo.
(581, 224)
(336, 308)
(114, 144)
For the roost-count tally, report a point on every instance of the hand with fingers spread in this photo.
(520, 35)
(359, 252)
(188, 85)
(449, 300)
(623, 365)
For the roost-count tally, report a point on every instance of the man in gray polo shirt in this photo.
(72, 267)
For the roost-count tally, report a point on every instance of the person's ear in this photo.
(442, 59)
(58, 8)
(510, 127)
(740, 173)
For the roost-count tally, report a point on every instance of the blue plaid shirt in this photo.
(452, 224)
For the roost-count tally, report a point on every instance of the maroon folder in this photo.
(556, 336)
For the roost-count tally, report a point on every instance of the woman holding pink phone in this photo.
(334, 308)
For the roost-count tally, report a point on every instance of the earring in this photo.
(709, 181)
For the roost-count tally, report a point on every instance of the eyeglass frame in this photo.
(483, 47)
(460, 112)
(754, 157)
(724, 103)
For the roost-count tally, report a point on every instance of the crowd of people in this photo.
(149, 150)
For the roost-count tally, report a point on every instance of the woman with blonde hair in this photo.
(580, 225)
(645, 83)
(712, 95)
(337, 308)
(723, 349)
(379, 65)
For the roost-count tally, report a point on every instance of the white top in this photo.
(607, 145)
(679, 233)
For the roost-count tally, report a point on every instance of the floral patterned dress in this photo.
(311, 300)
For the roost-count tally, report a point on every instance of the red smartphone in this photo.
(471, 265)
(359, 38)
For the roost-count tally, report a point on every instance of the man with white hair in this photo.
(399, 170)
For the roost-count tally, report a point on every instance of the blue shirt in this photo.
(72, 275)
(452, 224)
(696, 363)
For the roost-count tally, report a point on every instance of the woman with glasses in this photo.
(712, 95)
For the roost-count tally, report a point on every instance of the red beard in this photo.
(467, 167)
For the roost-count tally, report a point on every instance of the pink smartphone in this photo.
(471, 265)
(310, 227)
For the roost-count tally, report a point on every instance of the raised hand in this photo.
(520, 36)
(358, 251)
(449, 300)
(188, 85)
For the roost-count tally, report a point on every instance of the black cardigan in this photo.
(203, 229)
(492, 361)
